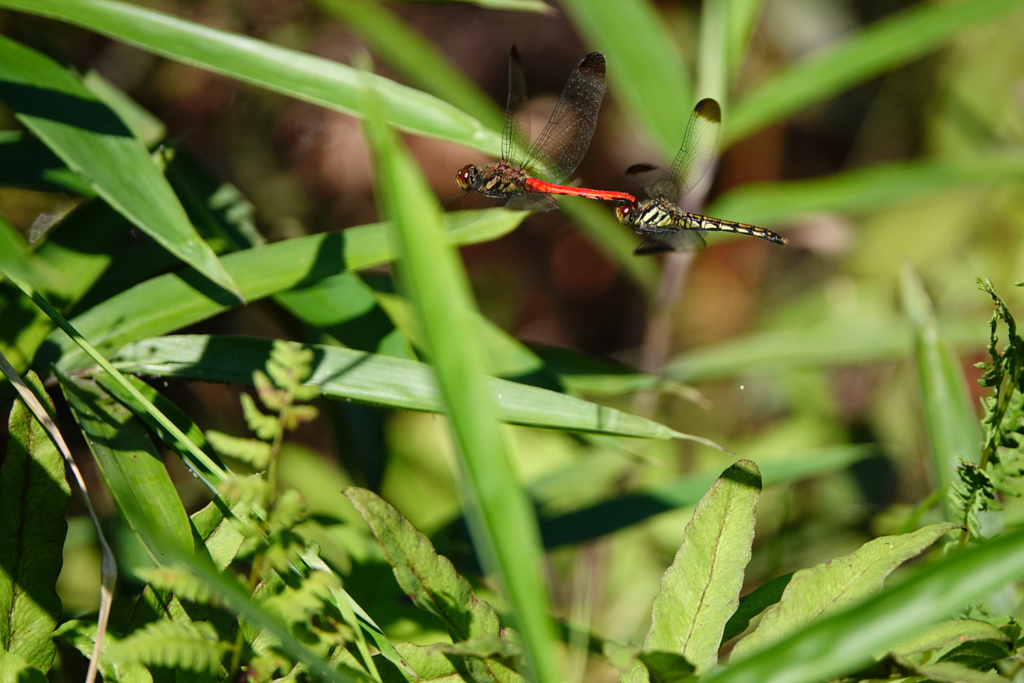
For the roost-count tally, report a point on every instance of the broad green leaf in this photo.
(407, 52)
(429, 579)
(701, 589)
(950, 633)
(864, 189)
(646, 69)
(380, 380)
(174, 300)
(831, 586)
(883, 46)
(949, 413)
(845, 641)
(837, 343)
(94, 142)
(33, 499)
(617, 513)
(13, 667)
(130, 467)
(26, 162)
(305, 77)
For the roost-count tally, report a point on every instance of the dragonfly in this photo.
(558, 149)
(666, 226)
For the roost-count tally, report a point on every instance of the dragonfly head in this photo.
(468, 177)
(624, 211)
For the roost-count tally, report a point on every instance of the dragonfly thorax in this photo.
(652, 213)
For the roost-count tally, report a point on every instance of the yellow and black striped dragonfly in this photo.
(666, 226)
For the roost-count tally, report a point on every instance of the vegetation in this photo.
(801, 426)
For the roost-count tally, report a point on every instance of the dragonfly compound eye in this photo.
(623, 212)
(467, 176)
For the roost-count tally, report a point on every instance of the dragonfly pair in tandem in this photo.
(560, 147)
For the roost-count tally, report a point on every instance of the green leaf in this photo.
(26, 162)
(864, 189)
(701, 589)
(33, 499)
(408, 53)
(305, 77)
(830, 586)
(429, 579)
(617, 513)
(950, 633)
(381, 380)
(949, 414)
(130, 467)
(646, 69)
(753, 603)
(832, 343)
(174, 300)
(13, 667)
(881, 47)
(253, 452)
(845, 641)
(92, 141)
(81, 636)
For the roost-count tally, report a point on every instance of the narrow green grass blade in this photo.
(844, 642)
(130, 467)
(741, 17)
(305, 77)
(92, 141)
(411, 55)
(864, 189)
(949, 411)
(609, 516)
(701, 589)
(174, 300)
(378, 380)
(881, 47)
(836, 584)
(33, 499)
(646, 70)
(502, 523)
(713, 73)
(517, 5)
(840, 343)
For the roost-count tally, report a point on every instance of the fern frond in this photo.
(195, 647)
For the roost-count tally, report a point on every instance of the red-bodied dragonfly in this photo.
(666, 226)
(557, 151)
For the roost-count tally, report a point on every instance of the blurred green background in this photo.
(888, 155)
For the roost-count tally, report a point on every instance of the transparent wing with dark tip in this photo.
(675, 240)
(515, 135)
(563, 142)
(698, 149)
(692, 160)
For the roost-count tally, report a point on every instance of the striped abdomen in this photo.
(658, 215)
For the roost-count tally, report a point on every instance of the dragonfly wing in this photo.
(677, 240)
(698, 149)
(563, 142)
(534, 201)
(657, 182)
(515, 134)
